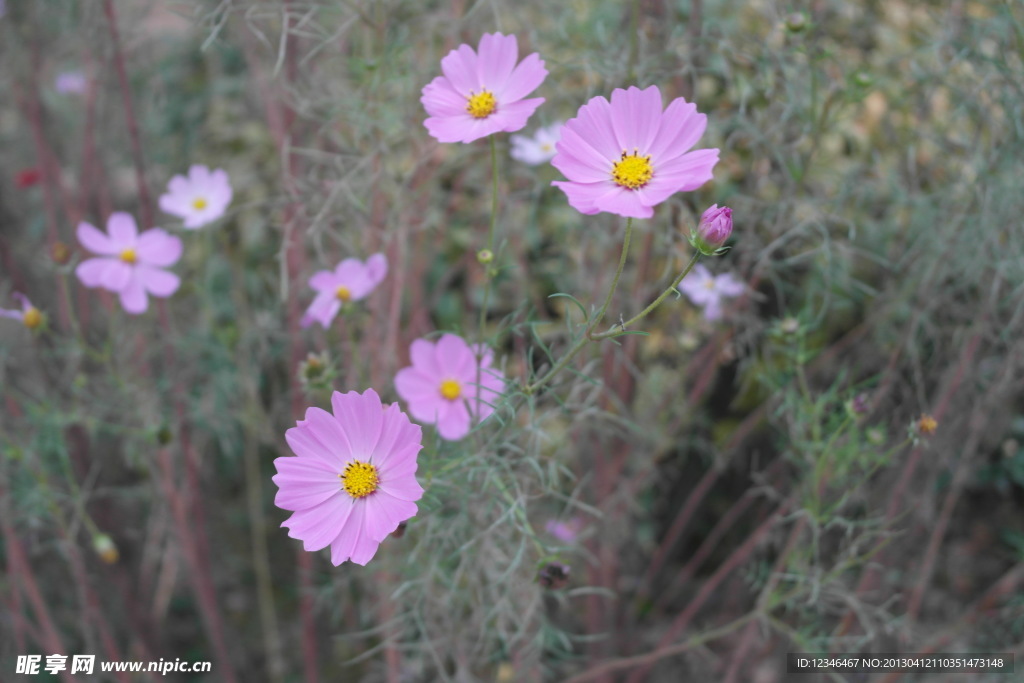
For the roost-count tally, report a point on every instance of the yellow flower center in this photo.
(709, 284)
(343, 293)
(198, 203)
(32, 318)
(359, 479)
(632, 171)
(450, 389)
(481, 105)
(128, 255)
(546, 147)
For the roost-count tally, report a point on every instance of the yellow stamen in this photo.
(710, 284)
(343, 293)
(450, 389)
(359, 479)
(32, 318)
(128, 255)
(198, 203)
(632, 171)
(481, 105)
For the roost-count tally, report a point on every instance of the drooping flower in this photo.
(707, 290)
(354, 479)
(714, 229)
(130, 263)
(446, 386)
(200, 198)
(351, 280)
(482, 91)
(71, 83)
(540, 148)
(628, 156)
(30, 316)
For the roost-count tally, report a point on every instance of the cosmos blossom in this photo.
(707, 290)
(628, 156)
(71, 83)
(482, 91)
(446, 386)
(130, 263)
(199, 198)
(354, 478)
(29, 315)
(351, 280)
(540, 148)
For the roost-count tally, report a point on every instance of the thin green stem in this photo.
(488, 270)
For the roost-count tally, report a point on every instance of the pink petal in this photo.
(526, 78)
(580, 162)
(319, 525)
(199, 175)
(383, 514)
(460, 67)
(304, 483)
(402, 488)
(122, 230)
(323, 309)
(91, 271)
(348, 535)
(454, 359)
(156, 247)
(377, 268)
(415, 385)
(335, 438)
(175, 204)
(305, 444)
(462, 128)
(624, 202)
(728, 285)
(593, 123)
(439, 98)
(361, 417)
(94, 240)
(421, 353)
(713, 309)
(158, 282)
(396, 431)
(681, 128)
(514, 116)
(636, 117)
(690, 170)
(133, 296)
(117, 275)
(365, 549)
(178, 185)
(583, 196)
(497, 57)
(324, 280)
(455, 424)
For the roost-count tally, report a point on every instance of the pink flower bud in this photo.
(713, 231)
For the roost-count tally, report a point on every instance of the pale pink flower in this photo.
(481, 92)
(538, 149)
(566, 531)
(446, 386)
(130, 264)
(351, 280)
(354, 479)
(707, 290)
(200, 198)
(71, 83)
(29, 315)
(628, 156)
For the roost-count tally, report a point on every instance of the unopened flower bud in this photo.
(32, 317)
(104, 546)
(485, 256)
(60, 253)
(789, 325)
(714, 229)
(554, 575)
(859, 404)
(927, 425)
(796, 22)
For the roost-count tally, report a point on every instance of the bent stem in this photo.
(612, 332)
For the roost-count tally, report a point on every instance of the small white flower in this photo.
(200, 198)
(540, 148)
(707, 290)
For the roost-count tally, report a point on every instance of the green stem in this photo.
(615, 282)
(488, 272)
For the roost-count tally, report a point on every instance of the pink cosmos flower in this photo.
(445, 385)
(29, 315)
(200, 198)
(713, 231)
(131, 264)
(629, 156)
(483, 93)
(354, 479)
(538, 149)
(351, 280)
(707, 290)
(566, 531)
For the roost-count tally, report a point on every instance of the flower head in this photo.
(707, 290)
(628, 156)
(71, 83)
(130, 263)
(538, 149)
(566, 531)
(29, 315)
(446, 386)
(926, 425)
(714, 229)
(482, 91)
(200, 198)
(351, 280)
(354, 479)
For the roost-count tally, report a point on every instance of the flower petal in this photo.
(157, 247)
(122, 230)
(455, 423)
(158, 282)
(361, 416)
(526, 78)
(91, 271)
(496, 59)
(133, 296)
(94, 240)
(304, 482)
(460, 67)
